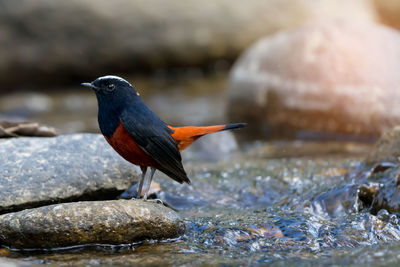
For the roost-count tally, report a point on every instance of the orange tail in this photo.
(186, 135)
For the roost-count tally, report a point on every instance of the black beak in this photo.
(90, 85)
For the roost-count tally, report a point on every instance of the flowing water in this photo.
(252, 209)
(279, 203)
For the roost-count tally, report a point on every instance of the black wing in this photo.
(154, 137)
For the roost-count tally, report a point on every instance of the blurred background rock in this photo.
(321, 78)
(178, 54)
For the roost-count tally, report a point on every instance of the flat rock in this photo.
(14, 129)
(91, 222)
(334, 79)
(41, 171)
(42, 40)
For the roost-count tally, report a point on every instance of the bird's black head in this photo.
(114, 95)
(112, 91)
(109, 85)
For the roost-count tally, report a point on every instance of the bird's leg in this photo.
(146, 191)
(144, 170)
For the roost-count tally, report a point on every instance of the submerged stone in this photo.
(97, 222)
(41, 171)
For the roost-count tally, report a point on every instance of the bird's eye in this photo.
(110, 87)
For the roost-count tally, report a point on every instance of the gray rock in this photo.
(97, 222)
(46, 40)
(331, 78)
(41, 171)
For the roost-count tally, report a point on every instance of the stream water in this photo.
(279, 203)
(254, 209)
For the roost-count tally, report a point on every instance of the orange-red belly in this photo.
(124, 144)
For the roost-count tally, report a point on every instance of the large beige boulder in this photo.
(323, 78)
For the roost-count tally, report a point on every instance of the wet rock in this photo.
(382, 191)
(381, 167)
(98, 222)
(367, 194)
(325, 79)
(40, 171)
(14, 129)
(388, 197)
(42, 40)
(387, 149)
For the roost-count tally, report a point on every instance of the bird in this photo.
(137, 134)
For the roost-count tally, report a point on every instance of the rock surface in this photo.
(7, 262)
(381, 191)
(387, 149)
(49, 41)
(98, 222)
(14, 129)
(332, 77)
(41, 171)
